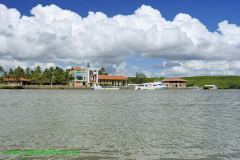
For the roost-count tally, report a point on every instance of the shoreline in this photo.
(85, 88)
(43, 87)
(56, 87)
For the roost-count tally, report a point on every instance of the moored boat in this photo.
(98, 87)
(210, 87)
(151, 86)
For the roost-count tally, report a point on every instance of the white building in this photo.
(84, 76)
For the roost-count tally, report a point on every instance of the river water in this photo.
(125, 124)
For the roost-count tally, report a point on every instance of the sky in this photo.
(168, 38)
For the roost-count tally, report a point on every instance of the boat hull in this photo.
(151, 86)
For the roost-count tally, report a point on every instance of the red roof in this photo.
(112, 77)
(75, 68)
(174, 79)
(14, 79)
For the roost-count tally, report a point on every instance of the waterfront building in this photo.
(16, 81)
(112, 80)
(175, 82)
(84, 76)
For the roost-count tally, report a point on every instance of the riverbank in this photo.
(56, 87)
(42, 87)
(222, 82)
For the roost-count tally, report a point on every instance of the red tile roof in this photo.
(14, 80)
(112, 77)
(75, 68)
(174, 79)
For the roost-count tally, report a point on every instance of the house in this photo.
(112, 80)
(175, 82)
(16, 81)
(84, 76)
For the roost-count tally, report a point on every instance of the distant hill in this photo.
(223, 82)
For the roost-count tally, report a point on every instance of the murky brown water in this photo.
(174, 124)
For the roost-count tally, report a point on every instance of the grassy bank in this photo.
(41, 87)
(11, 87)
(223, 82)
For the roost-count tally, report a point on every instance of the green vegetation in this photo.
(59, 76)
(133, 80)
(223, 82)
(1, 74)
(11, 87)
(49, 76)
(102, 71)
(142, 78)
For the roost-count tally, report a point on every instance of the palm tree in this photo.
(18, 73)
(51, 70)
(27, 73)
(102, 71)
(1, 69)
(10, 73)
(37, 75)
(1, 74)
(140, 78)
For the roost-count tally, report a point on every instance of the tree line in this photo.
(38, 76)
(49, 76)
(59, 76)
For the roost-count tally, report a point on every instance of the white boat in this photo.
(210, 87)
(98, 87)
(151, 86)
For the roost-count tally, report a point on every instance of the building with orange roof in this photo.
(175, 82)
(87, 76)
(16, 81)
(112, 80)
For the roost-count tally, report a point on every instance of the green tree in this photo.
(1, 74)
(36, 75)
(68, 77)
(27, 73)
(10, 73)
(102, 71)
(59, 76)
(48, 75)
(18, 73)
(1, 69)
(140, 78)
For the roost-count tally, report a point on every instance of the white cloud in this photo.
(54, 35)
(120, 69)
(201, 67)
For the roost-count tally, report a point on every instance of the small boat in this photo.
(151, 86)
(210, 87)
(98, 87)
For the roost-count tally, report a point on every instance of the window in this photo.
(79, 77)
